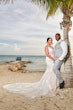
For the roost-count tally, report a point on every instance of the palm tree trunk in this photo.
(68, 71)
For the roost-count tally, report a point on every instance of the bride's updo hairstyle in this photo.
(48, 38)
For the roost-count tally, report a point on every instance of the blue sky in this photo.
(24, 28)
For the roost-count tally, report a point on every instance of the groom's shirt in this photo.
(64, 48)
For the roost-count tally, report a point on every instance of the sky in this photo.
(24, 28)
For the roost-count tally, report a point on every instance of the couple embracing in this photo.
(57, 55)
(51, 79)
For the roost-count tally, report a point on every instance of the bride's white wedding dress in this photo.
(45, 86)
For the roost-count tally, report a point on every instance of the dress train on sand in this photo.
(45, 86)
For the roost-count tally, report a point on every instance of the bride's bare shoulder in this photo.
(49, 47)
(46, 46)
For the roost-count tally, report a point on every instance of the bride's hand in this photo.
(55, 58)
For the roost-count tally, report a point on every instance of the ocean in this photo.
(38, 62)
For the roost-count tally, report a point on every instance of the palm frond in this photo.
(6, 1)
(51, 11)
(53, 5)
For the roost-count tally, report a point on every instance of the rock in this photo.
(14, 69)
(25, 62)
(25, 71)
(17, 65)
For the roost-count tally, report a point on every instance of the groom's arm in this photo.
(65, 50)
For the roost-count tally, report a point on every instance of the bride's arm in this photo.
(48, 54)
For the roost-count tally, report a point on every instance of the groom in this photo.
(60, 52)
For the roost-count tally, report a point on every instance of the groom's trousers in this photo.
(56, 69)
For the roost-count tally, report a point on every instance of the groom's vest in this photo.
(58, 50)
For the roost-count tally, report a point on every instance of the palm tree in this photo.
(66, 7)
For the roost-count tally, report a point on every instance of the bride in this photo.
(47, 83)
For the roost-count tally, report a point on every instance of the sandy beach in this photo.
(12, 101)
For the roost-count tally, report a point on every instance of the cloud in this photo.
(16, 48)
(4, 44)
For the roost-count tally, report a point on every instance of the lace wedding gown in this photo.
(45, 86)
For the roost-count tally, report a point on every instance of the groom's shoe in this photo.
(61, 85)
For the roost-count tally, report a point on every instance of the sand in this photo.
(12, 101)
